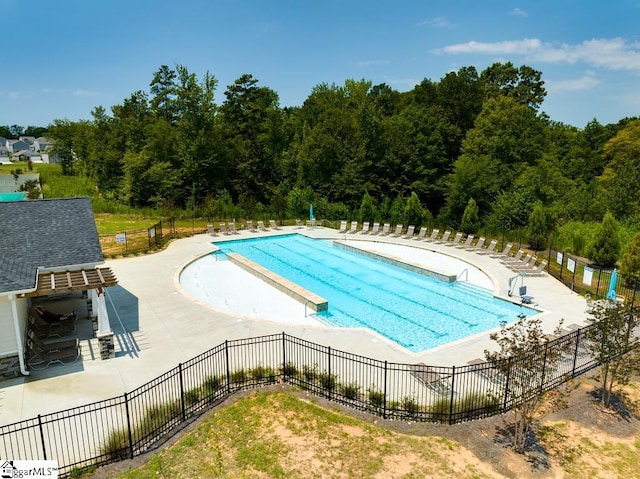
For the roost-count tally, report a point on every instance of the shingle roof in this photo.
(47, 233)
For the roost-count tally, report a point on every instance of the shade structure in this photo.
(311, 217)
(612, 285)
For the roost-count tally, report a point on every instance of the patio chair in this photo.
(440, 383)
(262, 227)
(250, 226)
(385, 230)
(211, 230)
(43, 358)
(398, 232)
(516, 258)
(52, 344)
(538, 270)
(467, 242)
(421, 234)
(490, 249)
(299, 224)
(48, 330)
(409, 233)
(232, 229)
(434, 235)
(274, 225)
(365, 228)
(354, 228)
(445, 238)
(343, 226)
(456, 240)
(477, 246)
(375, 229)
(525, 265)
(223, 228)
(505, 251)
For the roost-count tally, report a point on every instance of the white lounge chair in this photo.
(343, 226)
(409, 233)
(445, 237)
(250, 226)
(385, 229)
(455, 240)
(421, 234)
(274, 225)
(477, 246)
(262, 227)
(398, 232)
(354, 227)
(490, 249)
(211, 230)
(223, 228)
(505, 251)
(365, 228)
(467, 242)
(375, 229)
(516, 258)
(434, 235)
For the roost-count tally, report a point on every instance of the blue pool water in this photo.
(410, 309)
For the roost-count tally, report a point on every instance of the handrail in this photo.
(466, 270)
(305, 306)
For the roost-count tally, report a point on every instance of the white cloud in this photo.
(610, 54)
(81, 92)
(438, 22)
(517, 12)
(403, 82)
(585, 82)
(368, 63)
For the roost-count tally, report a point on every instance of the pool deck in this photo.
(157, 325)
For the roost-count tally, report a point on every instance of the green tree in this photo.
(470, 223)
(604, 250)
(611, 339)
(525, 360)
(396, 212)
(538, 228)
(368, 211)
(413, 211)
(523, 84)
(630, 261)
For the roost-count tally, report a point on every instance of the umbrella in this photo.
(311, 217)
(612, 285)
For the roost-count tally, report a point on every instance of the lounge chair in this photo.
(385, 229)
(223, 228)
(48, 330)
(398, 231)
(535, 270)
(467, 242)
(514, 259)
(505, 251)
(250, 226)
(440, 383)
(490, 249)
(434, 235)
(52, 344)
(232, 229)
(274, 225)
(456, 240)
(354, 227)
(525, 264)
(343, 226)
(365, 228)
(299, 224)
(477, 246)
(42, 358)
(487, 370)
(445, 237)
(262, 227)
(421, 234)
(409, 233)
(211, 230)
(375, 229)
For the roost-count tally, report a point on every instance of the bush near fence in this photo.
(129, 425)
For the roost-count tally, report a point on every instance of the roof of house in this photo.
(50, 233)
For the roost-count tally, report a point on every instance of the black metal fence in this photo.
(584, 277)
(129, 425)
(138, 241)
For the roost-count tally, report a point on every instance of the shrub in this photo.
(289, 369)
(410, 405)
(328, 381)
(116, 447)
(260, 372)
(192, 396)
(239, 376)
(376, 397)
(350, 391)
(309, 372)
(210, 385)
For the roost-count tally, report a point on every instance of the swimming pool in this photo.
(413, 310)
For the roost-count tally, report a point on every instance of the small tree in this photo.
(605, 248)
(397, 210)
(525, 360)
(413, 211)
(470, 223)
(538, 228)
(610, 340)
(368, 211)
(630, 262)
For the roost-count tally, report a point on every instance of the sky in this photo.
(62, 59)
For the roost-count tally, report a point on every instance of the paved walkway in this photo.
(157, 326)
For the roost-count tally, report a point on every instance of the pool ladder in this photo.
(305, 306)
(466, 278)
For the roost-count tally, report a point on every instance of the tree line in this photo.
(470, 151)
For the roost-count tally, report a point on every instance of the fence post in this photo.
(126, 243)
(184, 412)
(329, 381)
(149, 238)
(598, 285)
(226, 357)
(544, 366)
(635, 288)
(453, 377)
(44, 449)
(126, 408)
(575, 354)
(506, 386)
(284, 357)
(384, 393)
